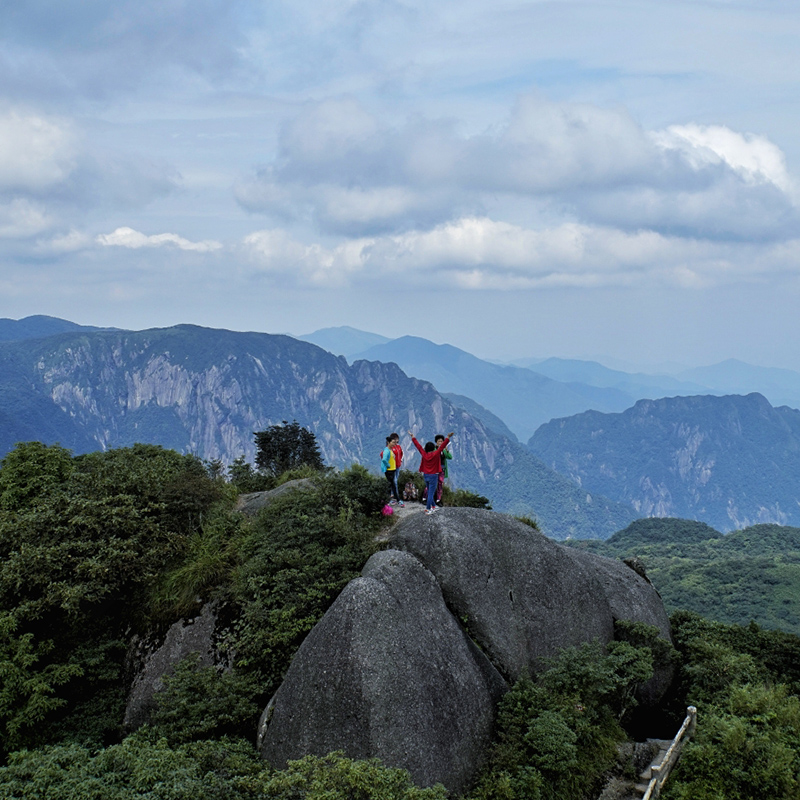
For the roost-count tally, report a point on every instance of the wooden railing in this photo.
(659, 773)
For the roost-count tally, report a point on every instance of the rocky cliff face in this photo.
(393, 671)
(207, 391)
(728, 461)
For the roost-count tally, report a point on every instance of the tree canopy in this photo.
(286, 446)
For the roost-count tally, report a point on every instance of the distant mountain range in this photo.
(559, 387)
(37, 326)
(207, 391)
(521, 398)
(344, 341)
(729, 461)
(636, 386)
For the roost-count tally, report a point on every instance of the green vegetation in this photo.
(744, 682)
(83, 542)
(557, 735)
(96, 548)
(281, 448)
(751, 574)
(223, 769)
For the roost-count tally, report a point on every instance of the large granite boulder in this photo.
(632, 597)
(523, 597)
(388, 673)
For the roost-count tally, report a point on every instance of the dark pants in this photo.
(391, 479)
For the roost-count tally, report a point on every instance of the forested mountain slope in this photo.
(729, 461)
(748, 575)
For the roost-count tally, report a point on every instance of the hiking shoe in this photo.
(402, 504)
(429, 511)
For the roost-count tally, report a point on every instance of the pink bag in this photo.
(387, 511)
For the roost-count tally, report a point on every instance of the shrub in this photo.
(83, 542)
(246, 479)
(334, 777)
(299, 554)
(285, 447)
(143, 766)
(567, 715)
(211, 555)
(464, 498)
(203, 702)
(746, 747)
(138, 767)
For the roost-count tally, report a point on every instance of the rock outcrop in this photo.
(392, 671)
(252, 502)
(152, 661)
(388, 673)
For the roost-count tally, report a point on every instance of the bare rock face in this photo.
(523, 596)
(250, 504)
(392, 671)
(195, 635)
(388, 673)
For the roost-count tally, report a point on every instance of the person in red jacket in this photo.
(430, 467)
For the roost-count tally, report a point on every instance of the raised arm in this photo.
(416, 443)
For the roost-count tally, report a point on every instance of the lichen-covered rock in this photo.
(388, 673)
(523, 597)
(152, 662)
(252, 502)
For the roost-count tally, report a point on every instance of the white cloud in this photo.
(753, 157)
(35, 152)
(480, 253)
(276, 253)
(134, 240)
(22, 219)
(341, 168)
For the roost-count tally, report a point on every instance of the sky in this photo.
(613, 180)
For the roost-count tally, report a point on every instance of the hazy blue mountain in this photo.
(36, 327)
(26, 414)
(491, 421)
(728, 461)
(780, 386)
(637, 385)
(344, 341)
(521, 398)
(206, 391)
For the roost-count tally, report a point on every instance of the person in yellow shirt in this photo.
(389, 468)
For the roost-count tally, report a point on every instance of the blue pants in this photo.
(431, 482)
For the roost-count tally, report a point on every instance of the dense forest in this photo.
(100, 548)
(747, 575)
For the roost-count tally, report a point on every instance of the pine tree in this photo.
(286, 446)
